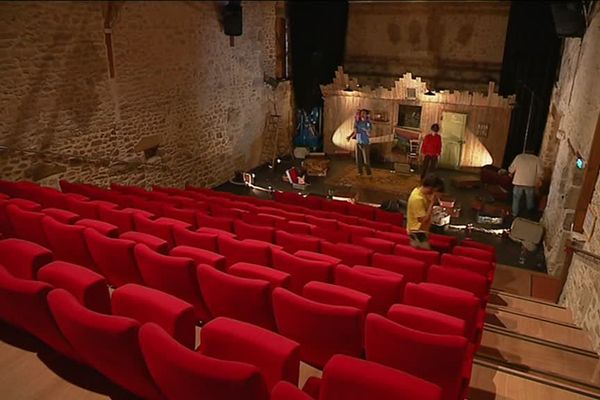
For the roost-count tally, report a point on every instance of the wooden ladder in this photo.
(272, 128)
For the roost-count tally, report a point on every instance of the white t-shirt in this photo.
(527, 169)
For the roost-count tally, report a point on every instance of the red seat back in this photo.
(200, 256)
(473, 252)
(292, 242)
(429, 256)
(67, 242)
(349, 254)
(238, 251)
(23, 259)
(185, 237)
(412, 270)
(27, 225)
(248, 231)
(119, 218)
(422, 319)
(459, 278)
(302, 270)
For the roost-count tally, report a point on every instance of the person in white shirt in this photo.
(527, 172)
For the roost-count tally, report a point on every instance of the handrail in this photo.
(579, 250)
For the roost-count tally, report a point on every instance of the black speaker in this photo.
(569, 18)
(232, 18)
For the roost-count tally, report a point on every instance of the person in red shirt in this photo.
(431, 148)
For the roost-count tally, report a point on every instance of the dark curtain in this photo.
(318, 35)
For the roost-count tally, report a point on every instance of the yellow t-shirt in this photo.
(417, 207)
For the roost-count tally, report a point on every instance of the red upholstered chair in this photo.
(262, 219)
(138, 211)
(114, 258)
(297, 227)
(103, 228)
(336, 295)
(119, 218)
(302, 270)
(157, 244)
(394, 218)
(184, 374)
(461, 279)
(335, 206)
(52, 198)
(145, 304)
(67, 242)
(378, 226)
(311, 255)
(398, 238)
(412, 270)
(182, 214)
(277, 357)
(225, 212)
(252, 271)
(200, 256)
(292, 242)
(88, 287)
(153, 207)
(351, 378)
(238, 251)
(378, 245)
(288, 197)
(23, 259)
(324, 223)
(174, 275)
(429, 256)
(215, 231)
(155, 228)
(118, 357)
(481, 267)
(61, 215)
(435, 358)
(23, 304)
(235, 297)
(362, 211)
(422, 319)
(185, 237)
(84, 209)
(385, 287)
(331, 235)
(356, 230)
(248, 231)
(478, 245)
(322, 330)
(224, 224)
(313, 202)
(349, 254)
(454, 302)
(27, 225)
(473, 252)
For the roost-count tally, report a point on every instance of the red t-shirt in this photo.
(432, 145)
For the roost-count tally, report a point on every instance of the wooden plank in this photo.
(589, 180)
(531, 306)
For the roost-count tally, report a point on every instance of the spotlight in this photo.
(253, 175)
(279, 161)
(429, 93)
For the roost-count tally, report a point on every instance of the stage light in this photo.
(253, 175)
(429, 93)
(279, 161)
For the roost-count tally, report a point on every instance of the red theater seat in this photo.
(356, 230)
(293, 242)
(398, 238)
(311, 255)
(324, 223)
(384, 287)
(181, 214)
(252, 271)
(478, 245)
(331, 235)
(375, 244)
(145, 304)
(302, 270)
(335, 206)
(153, 207)
(473, 252)
(429, 256)
(247, 231)
(238, 251)
(454, 302)
(114, 258)
(435, 358)
(362, 211)
(348, 253)
(174, 275)
(118, 357)
(412, 270)
(224, 224)
(23, 259)
(231, 296)
(157, 244)
(120, 218)
(88, 287)
(67, 242)
(183, 374)
(350, 378)
(64, 216)
(390, 217)
(23, 304)
(461, 279)
(337, 295)
(377, 226)
(185, 237)
(313, 202)
(425, 320)
(262, 219)
(277, 357)
(322, 330)
(301, 228)
(84, 209)
(483, 268)
(155, 228)
(200, 256)
(27, 225)
(103, 228)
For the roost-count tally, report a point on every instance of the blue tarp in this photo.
(308, 130)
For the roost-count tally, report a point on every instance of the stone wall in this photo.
(451, 45)
(576, 103)
(177, 81)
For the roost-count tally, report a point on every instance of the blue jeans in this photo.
(518, 193)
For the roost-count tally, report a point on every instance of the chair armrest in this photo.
(277, 357)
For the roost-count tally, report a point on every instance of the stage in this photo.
(373, 190)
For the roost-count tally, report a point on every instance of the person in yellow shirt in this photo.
(419, 209)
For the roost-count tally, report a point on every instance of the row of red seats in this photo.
(148, 339)
(159, 263)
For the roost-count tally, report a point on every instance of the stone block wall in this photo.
(176, 78)
(576, 104)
